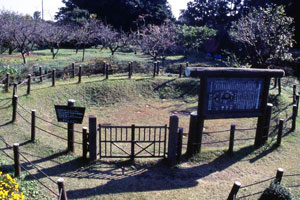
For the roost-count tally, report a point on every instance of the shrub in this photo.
(9, 188)
(276, 192)
(264, 36)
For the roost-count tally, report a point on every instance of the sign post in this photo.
(71, 115)
(233, 93)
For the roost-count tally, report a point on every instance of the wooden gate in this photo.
(132, 141)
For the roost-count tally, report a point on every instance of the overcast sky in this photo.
(51, 6)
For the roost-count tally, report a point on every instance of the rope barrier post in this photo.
(73, 70)
(71, 103)
(173, 138)
(280, 130)
(157, 68)
(106, 71)
(179, 144)
(191, 147)
(279, 86)
(297, 101)
(15, 105)
(17, 160)
(268, 123)
(84, 142)
(129, 70)
(132, 142)
(15, 88)
(61, 189)
(154, 69)
(7, 82)
(235, 188)
(231, 142)
(33, 120)
(28, 84)
(53, 77)
(41, 73)
(294, 93)
(180, 70)
(93, 138)
(79, 74)
(279, 175)
(275, 82)
(294, 117)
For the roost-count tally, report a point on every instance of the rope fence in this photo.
(21, 166)
(276, 179)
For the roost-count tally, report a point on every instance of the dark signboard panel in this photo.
(69, 114)
(226, 97)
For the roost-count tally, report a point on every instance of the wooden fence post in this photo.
(275, 82)
(173, 137)
(192, 137)
(180, 70)
(15, 106)
(106, 71)
(93, 138)
(235, 188)
(73, 70)
(279, 86)
(294, 93)
(154, 69)
(231, 142)
(84, 142)
(17, 160)
(279, 175)
(157, 68)
(265, 135)
(280, 131)
(53, 77)
(61, 189)
(41, 73)
(15, 88)
(129, 70)
(79, 74)
(132, 142)
(71, 103)
(294, 117)
(28, 84)
(297, 100)
(179, 144)
(7, 82)
(33, 119)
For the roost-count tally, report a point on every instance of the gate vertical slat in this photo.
(139, 134)
(116, 135)
(105, 142)
(121, 134)
(126, 134)
(144, 134)
(165, 140)
(100, 141)
(110, 147)
(159, 141)
(154, 137)
(132, 141)
(149, 134)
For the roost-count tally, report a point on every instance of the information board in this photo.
(67, 114)
(233, 95)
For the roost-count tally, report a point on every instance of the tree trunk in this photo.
(83, 52)
(24, 58)
(10, 51)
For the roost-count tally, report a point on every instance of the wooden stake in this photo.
(84, 142)
(15, 106)
(17, 160)
(53, 77)
(279, 175)
(71, 103)
(173, 137)
(79, 74)
(61, 189)
(93, 138)
(7, 82)
(28, 84)
(235, 188)
(231, 142)
(280, 131)
(33, 119)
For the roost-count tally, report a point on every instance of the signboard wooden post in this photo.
(71, 115)
(233, 93)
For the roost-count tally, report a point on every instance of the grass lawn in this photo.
(146, 101)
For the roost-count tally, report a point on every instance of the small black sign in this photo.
(234, 95)
(67, 114)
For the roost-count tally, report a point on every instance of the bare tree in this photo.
(157, 41)
(85, 35)
(112, 39)
(52, 36)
